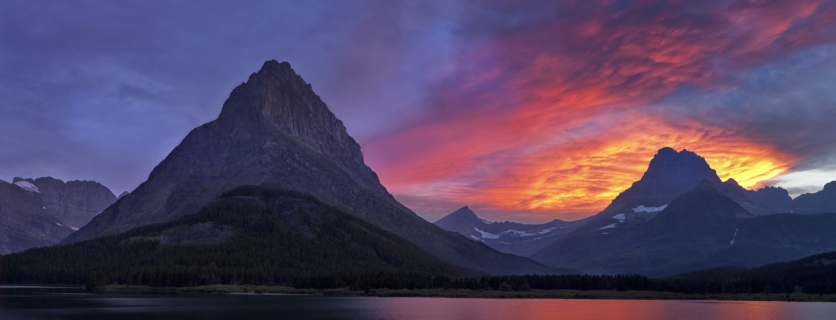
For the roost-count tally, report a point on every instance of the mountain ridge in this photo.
(508, 237)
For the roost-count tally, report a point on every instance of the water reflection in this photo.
(62, 303)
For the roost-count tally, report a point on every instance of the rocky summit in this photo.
(274, 131)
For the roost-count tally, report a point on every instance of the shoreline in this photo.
(450, 293)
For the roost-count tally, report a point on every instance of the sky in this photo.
(523, 110)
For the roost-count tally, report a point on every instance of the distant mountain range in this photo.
(509, 237)
(681, 217)
(275, 132)
(43, 211)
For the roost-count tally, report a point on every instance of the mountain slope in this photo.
(250, 235)
(815, 274)
(74, 203)
(274, 131)
(24, 223)
(819, 202)
(695, 226)
(508, 237)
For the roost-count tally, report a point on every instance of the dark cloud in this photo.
(105, 89)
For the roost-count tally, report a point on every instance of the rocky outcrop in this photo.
(125, 193)
(823, 201)
(274, 131)
(508, 237)
(74, 203)
(24, 223)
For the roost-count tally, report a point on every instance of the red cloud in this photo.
(548, 116)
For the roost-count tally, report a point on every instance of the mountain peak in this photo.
(463, 214)
(669, 174)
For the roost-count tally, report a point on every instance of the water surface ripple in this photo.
(64, 303)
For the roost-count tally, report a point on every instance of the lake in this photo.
(74, 303)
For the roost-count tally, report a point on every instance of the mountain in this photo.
(74, 203)
(643, 231)
(508, 237)
(669, 175)
(24, 223)
(274, 131)
(695, 225)
(250, 235)
(777, 199)
(125, 193)
(819, 202)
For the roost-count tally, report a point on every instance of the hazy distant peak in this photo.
(122, 195)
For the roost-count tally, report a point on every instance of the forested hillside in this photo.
(250, 235)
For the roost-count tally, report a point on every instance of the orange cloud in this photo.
(584, 175)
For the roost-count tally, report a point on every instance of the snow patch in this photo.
(76, 229)
(526, 233)
(606, 233)
(609, 226)
(734, 236)
(28, 186)
(487, 235)
(649, 209)
(474, 237)
(486, 221)
(620, 217)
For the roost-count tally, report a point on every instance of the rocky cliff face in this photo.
(24, 223)
(274, 131)
(823, 201)
(74, 203)
(508, 237)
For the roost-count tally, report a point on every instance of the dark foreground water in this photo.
(64, 303)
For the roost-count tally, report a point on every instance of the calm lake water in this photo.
(66, 303)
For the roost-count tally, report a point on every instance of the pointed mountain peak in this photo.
(463, 214)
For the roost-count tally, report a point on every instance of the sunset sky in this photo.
(524, 110)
